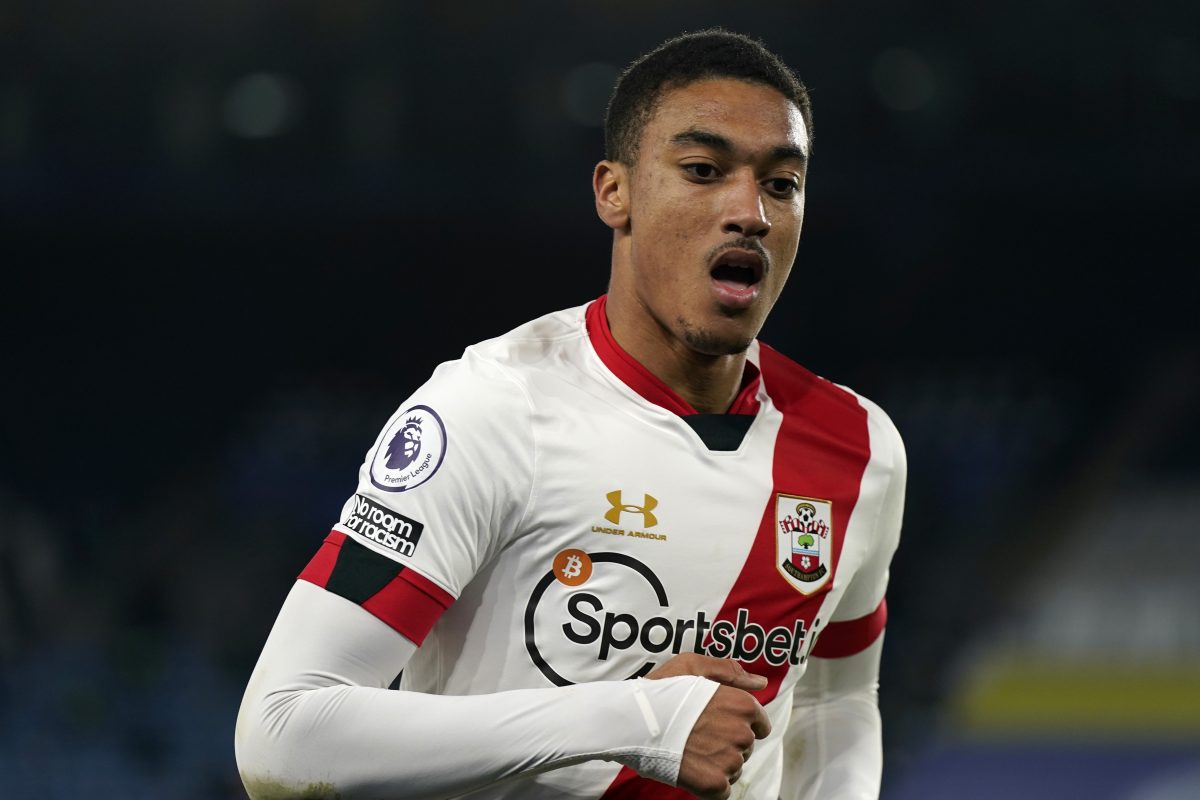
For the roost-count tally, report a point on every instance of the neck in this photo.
(709, 383)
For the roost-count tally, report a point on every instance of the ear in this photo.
(610, 184)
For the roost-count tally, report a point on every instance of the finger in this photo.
(731, 673)
(740, 679)
(761, 725)
(722, 670)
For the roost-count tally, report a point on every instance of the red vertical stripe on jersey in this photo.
(410, 603)
(821, 451)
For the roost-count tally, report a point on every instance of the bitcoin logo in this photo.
(572, 567)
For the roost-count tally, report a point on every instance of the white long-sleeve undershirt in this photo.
(832, 748)
(317, 719)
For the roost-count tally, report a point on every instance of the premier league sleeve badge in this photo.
(410, 450)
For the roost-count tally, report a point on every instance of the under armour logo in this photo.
(619, 507)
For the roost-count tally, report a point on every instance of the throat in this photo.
(666, 367)
(710, 388)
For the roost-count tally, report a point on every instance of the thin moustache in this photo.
(744, 243)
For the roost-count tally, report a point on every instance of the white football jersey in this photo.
(545, 512)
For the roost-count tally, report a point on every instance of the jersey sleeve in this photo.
(443, 488)
(316, 720)
(834, 738)
(861, 615)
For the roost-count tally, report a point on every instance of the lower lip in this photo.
(735, 295)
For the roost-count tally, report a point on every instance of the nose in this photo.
(744, 210)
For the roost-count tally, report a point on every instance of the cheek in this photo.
(678, 219)
(785, 232)
(686, 227)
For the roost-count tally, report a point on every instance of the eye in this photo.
(701, 171)
(783, 187)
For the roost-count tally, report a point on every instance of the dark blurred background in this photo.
(235, 236)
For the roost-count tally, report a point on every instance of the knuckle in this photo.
(747, 704)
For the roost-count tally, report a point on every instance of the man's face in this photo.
(716, 201)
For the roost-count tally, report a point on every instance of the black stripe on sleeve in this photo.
(360, 573)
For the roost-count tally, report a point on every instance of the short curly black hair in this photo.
(685, 59)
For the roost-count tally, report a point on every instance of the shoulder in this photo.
(486, 397)
(509, 372)
(534, 346)
(795, 389)
(498, 370)
(791, 385)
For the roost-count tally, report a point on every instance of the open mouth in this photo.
(730, 273)
(736, 275)
(739, 267)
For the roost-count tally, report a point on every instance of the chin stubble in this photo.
(708, 343)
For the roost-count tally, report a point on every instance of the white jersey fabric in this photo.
(545, 520)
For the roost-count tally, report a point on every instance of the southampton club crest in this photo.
(410, 450)
(803, 541)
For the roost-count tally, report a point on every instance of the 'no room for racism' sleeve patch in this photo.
(384, 526)
(403, 598)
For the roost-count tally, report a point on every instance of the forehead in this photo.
(751, 115)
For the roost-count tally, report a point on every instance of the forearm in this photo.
(833, 743)
(316, 720)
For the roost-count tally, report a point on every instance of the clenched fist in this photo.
(723, 736)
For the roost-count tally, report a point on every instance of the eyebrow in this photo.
(720, 143)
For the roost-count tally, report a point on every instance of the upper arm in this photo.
(444, 486)
(320, 639)
(320, 643)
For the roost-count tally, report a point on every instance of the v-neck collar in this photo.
(634, 375)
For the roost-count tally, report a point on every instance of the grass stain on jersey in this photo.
(276, 790)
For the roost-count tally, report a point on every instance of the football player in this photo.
(625, 550)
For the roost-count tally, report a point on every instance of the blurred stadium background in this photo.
(235, 236)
